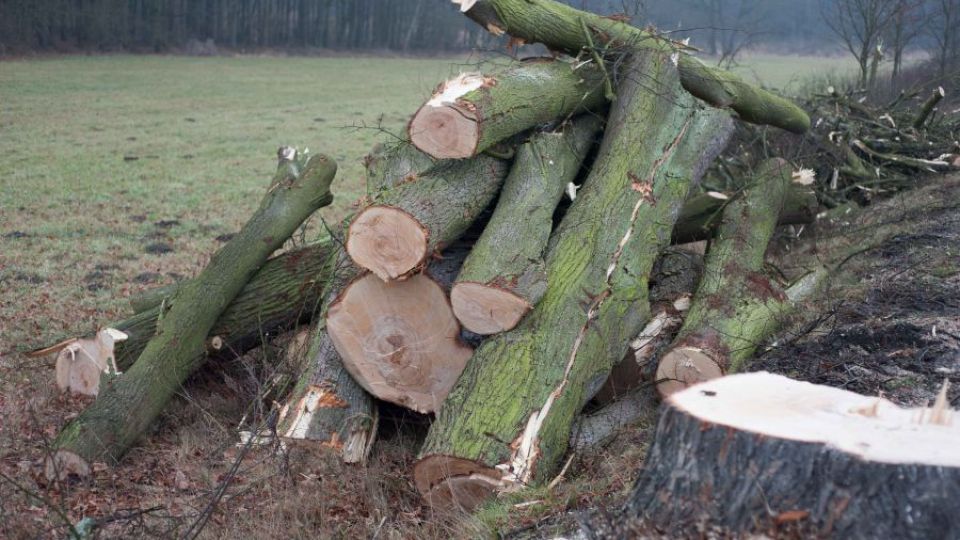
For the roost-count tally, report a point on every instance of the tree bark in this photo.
(472, 112)
(394, 236)
(389, 165)
(504, 275)
(928, 107)
(489, 436)
(761, 453)
(701, 214)
(126, 408)
(735, 306)
(561, 27)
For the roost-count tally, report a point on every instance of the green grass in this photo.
(199, 136)
(791, 73)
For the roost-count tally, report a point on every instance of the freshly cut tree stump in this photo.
(472, 112)
(400, 339)
(126, 408)
(564, 28)
(735, 306)
(393, 236)
(757, 452)
(657, 143)
(504, 276)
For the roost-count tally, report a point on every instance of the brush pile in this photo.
(505, 259)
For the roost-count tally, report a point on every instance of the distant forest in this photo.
(719, 26)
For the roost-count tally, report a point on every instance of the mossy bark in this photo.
(508, 256)
(283, 293)
(562, 28)
(701, 215)
(388, 165)
(499, 105)
(657, 143)
(127, 407)
(735, 306)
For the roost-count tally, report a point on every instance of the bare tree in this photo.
(944, 21)
(908, 22)
(730, 25)
(860, 24)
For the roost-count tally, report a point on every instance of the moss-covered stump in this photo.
(761, 453)
(508, 420)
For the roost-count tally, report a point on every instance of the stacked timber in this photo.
(501, 272)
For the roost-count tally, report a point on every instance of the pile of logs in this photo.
(509, 256)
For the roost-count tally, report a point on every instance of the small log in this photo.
(735, 306)
(126, 408)
(701, 214)
(394, 235)
(400, 338)
(472, 112)
(504, 276)
(931, 165)
(594, 430)
(928, 107)
(761, 453)
(564, 28)
(488, 436)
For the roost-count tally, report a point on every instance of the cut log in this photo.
(488, 436)
(761, 452)
(472, 112)
(562, 28)
(401, 338)
(83, 363)
(598, 428)
(700, 216)
(126, 408)
(328, 407)
(389, 165)
(393, 236)
(928, 107)
(735, 306)
(504, 276)
(467, 187)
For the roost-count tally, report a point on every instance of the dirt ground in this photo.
(888, 324)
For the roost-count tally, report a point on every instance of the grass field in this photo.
(119, 173)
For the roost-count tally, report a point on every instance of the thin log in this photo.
(594, 430)
(561, 27)
(701, 214)
(489, 437)
(928, 107)
(472, 112)
(735, 306)
(125, 409)
(504, 276)
(395, 234)
(931, 165)
(761, 453)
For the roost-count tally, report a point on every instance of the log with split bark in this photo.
(125, 408)
(761, 453)
(490, 437)
(736, 306)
